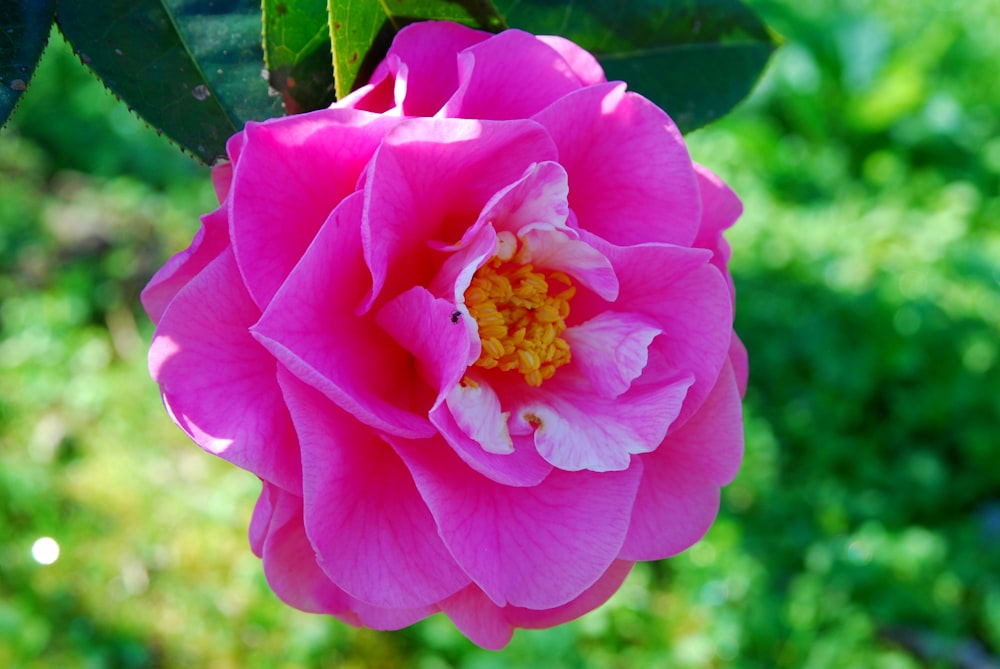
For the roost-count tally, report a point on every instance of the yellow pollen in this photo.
(520, 322)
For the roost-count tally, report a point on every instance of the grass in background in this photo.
(863, 530)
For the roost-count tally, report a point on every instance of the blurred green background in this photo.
(863, 530)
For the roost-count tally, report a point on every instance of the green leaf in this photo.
(297, 51)
(191, 68)
(695, 58)
(24, 31)
(362, 31)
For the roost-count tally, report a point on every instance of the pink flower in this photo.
(472, 328)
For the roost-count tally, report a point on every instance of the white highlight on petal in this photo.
(476, 409)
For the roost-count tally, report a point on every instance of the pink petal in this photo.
(476, 410)
(687, 298)
(311, 328)
(425, 326)
(592, 597)
(428, 182)
(522, 467)
(741, 363)
(373, 533)
(679, 495)
(478, 618)
(512, 75)
(536, 547)
(294, 576)
(720, 209)
(630, 177)
(611, 350)
(208, 243)
(218, 384)
(577, 430)
(492, 626)
(552, 249)
(292, 172)
(539, 196)
(583, 64)
(423, 59)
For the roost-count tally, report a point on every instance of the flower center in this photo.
(520, 323)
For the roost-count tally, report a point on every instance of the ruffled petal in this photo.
(311, 327)
(679, 495)
(292, 172)
(218, 383)
(611, 350)
(429, 182)
(691, 304)
(374, 535)
(631, 180)
(584, 65)
(210, 240)
(553, 250)
(720, 209)
(492, 626)
(428, 328)
(423, 60)
(576, 429)
(512, 75)
(536, 547)
(477, 412)
(522, 467)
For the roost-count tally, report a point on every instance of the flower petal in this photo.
(291, 174)
(630, 177)
(591, 598)
(537, 547)
(512, 75)
(741, 363)
(539, 196)
(423, 59)
(294, 576)
(373, 533)
(426, 327)
(491, 626)
(221, 388)
(522, 467)
(576, 429)
(720, 209)
(583, 64)
(476, 410)
(553, 250)
(691, 304)
(679, 495)
(208, 243)
(611, 350)
(311, 327)
(429, 182)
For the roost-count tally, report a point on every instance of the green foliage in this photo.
(297, 53)
(24, 26)
(190, 68)
(694, 59)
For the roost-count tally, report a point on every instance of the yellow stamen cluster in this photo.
(520, 323)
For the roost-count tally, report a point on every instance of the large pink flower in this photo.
(472, 328)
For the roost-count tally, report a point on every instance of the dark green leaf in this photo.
(695, 58)
(362, 31)
(190, 68)
(25, 26)
(297, 51)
